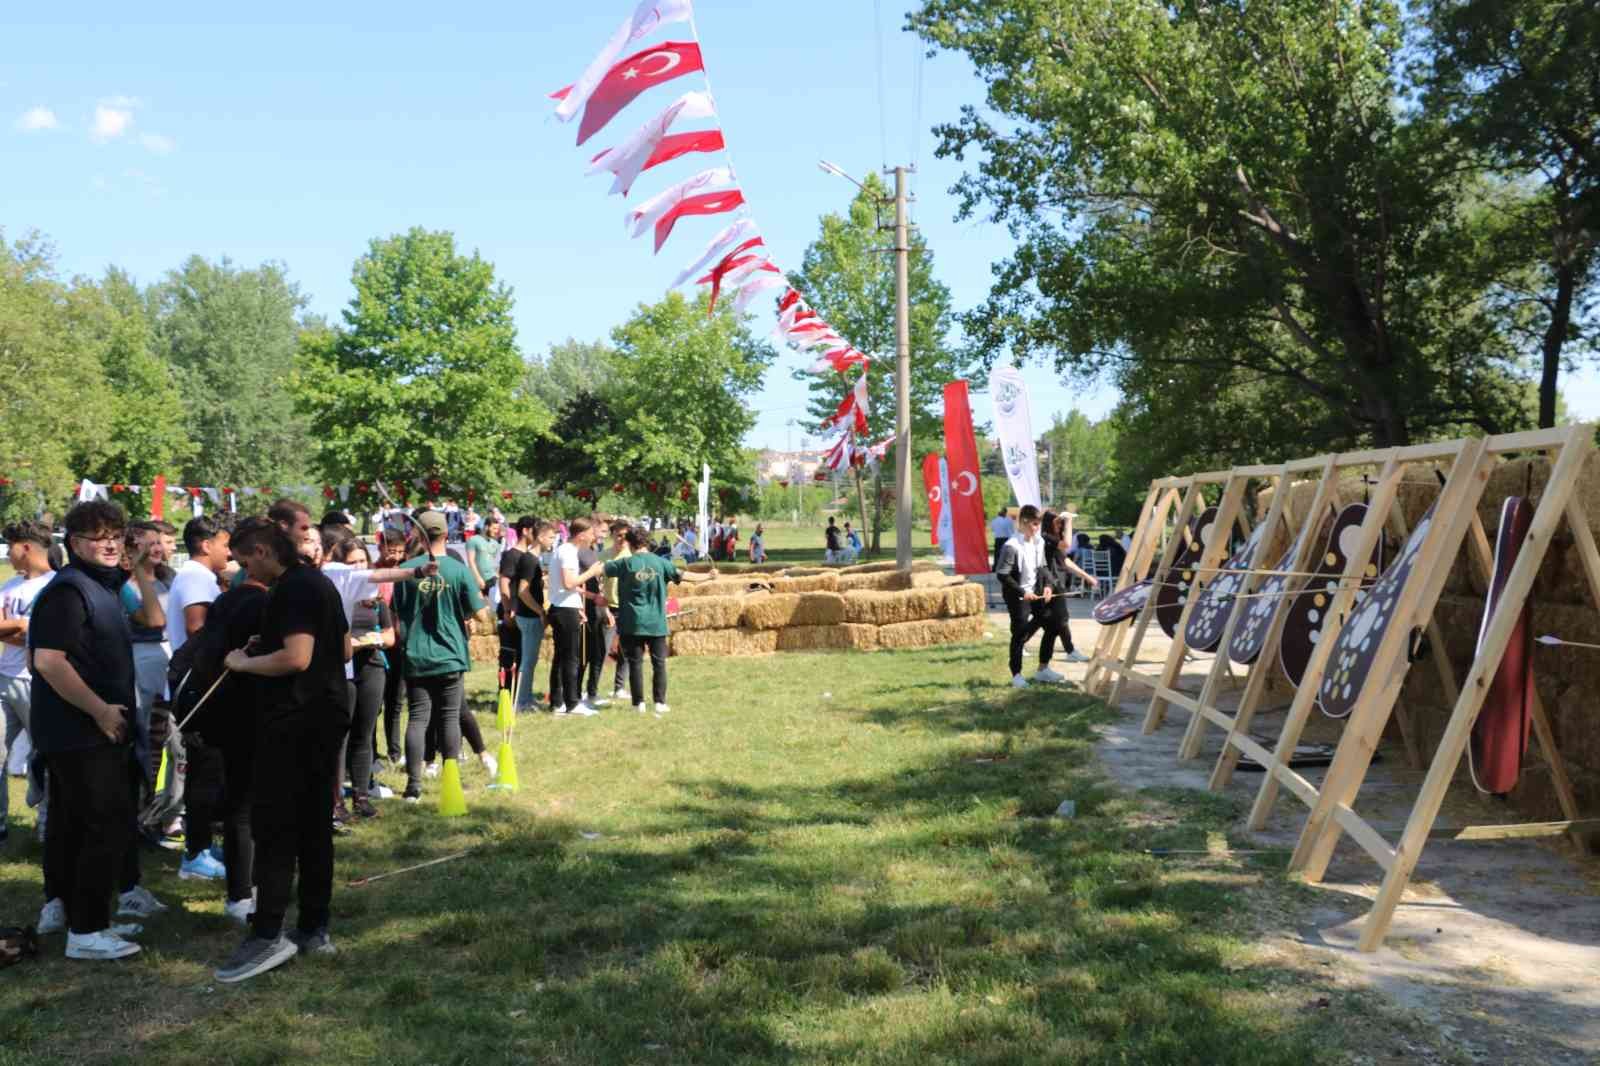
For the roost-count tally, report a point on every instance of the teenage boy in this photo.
(82, 719)
(1020, 568)
(566, 622)
(28, 551)
(642, 578)
(437, 613)
(594, 618)
(619, 550)
(482, 551)
(302, 715)
(526, 608)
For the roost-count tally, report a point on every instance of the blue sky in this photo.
(298, 132)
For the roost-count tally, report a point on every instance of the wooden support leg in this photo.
(1191, 496)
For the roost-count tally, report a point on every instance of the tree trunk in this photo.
(1555, 336)
(877, 510)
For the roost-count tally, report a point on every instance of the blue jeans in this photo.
(532, 630)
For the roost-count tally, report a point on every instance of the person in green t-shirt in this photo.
(483, 559)
(437, 613)
(641, 606)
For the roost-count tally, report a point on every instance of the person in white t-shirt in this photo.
(28, 552)
(1003, 529)
(566, 622)
(198, 581)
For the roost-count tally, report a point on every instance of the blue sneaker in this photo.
(202, 868)
(215, 851)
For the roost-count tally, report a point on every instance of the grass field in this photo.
(845, 858)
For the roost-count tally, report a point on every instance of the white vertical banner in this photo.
(702, 518)
(947, 530)
(1013, 422)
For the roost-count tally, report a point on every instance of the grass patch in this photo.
(814, 858)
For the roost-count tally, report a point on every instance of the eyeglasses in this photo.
(114, 539)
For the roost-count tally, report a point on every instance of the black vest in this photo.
(56, 725)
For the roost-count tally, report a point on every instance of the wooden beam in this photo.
(1192, 495)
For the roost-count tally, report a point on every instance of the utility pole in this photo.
(902, 370)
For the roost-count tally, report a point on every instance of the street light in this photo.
(902, 344)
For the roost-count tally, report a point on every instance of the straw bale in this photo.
(793, 609)
(711, 612)
(726, 586)
(815, 583)
(929, 633)
(841, 637)
(868, 568)
(808, 571)
(915, 605)
(736, 643)
(484, 649)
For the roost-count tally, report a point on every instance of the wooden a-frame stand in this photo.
(1455, 520)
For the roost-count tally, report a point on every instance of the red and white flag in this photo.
(876, 453)
(730, 262)
(638, 153)
(755, 287)
(648, 213)
(709, 203)
(853, 410)
(932, 488)
(841, 360)
(623, 83)
(841, 455)
(738, 231)
(647, 17)
(965, 497)
(790, 298)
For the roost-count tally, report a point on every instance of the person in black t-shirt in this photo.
(526, 602)
(302, 715)
(594, 623)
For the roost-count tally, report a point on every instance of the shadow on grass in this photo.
(929, 912)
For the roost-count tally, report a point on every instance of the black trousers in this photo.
(366, 702)
(238, 849)
(1057, 627)
(203, 789)
(394, 690)
(289, 818)
(1026, 620)
(471, 734)
(594, 653)
(90, 833)
(633, 649)
(566, 623)
(440, 695)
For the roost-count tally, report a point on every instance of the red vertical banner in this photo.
(158, 497)
(930, 485)
(967, 517)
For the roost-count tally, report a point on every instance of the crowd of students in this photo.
(246, 687)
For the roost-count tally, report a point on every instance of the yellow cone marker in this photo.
(507, 761)
(452, 801)
(504, 716)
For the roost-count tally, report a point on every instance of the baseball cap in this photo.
(434, 523)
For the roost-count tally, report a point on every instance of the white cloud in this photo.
(157, 143)
(110, 122)
(37, 118)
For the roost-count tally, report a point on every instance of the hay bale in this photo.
(811, 583)
(727, 586)
(710, 612)
(929, 633)
(914, 605)
(738, 643)
(840, 637)
(793, 609)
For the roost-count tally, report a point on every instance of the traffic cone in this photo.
(506, 779)
(452, 801)
(504, 716)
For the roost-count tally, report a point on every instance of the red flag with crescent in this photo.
(710, 203)
(624, 82)
(930, 486)
(967, 517)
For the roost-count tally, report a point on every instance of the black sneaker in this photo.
(256, 956)
(316, 942)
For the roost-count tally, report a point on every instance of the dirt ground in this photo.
(1496, 946)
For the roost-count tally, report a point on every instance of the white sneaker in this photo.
(137, 902)
(126, 929)
(239, 910)
(52, 918)
(489, 764)
(662, 708)
(431, 770)
(639, 707)
(96, 946)
(583, 710)
(1048, 676)
(599, 703)
(383, 792)
(1076, 656)
(1019, 681)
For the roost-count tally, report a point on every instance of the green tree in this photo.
(146, 432)
(230, 336)
(421, 378)
(1229, 210)
(1077, 459)
(1516, 79)
(851, 283)
(55, 405)
(679, 397)
(569, 368)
